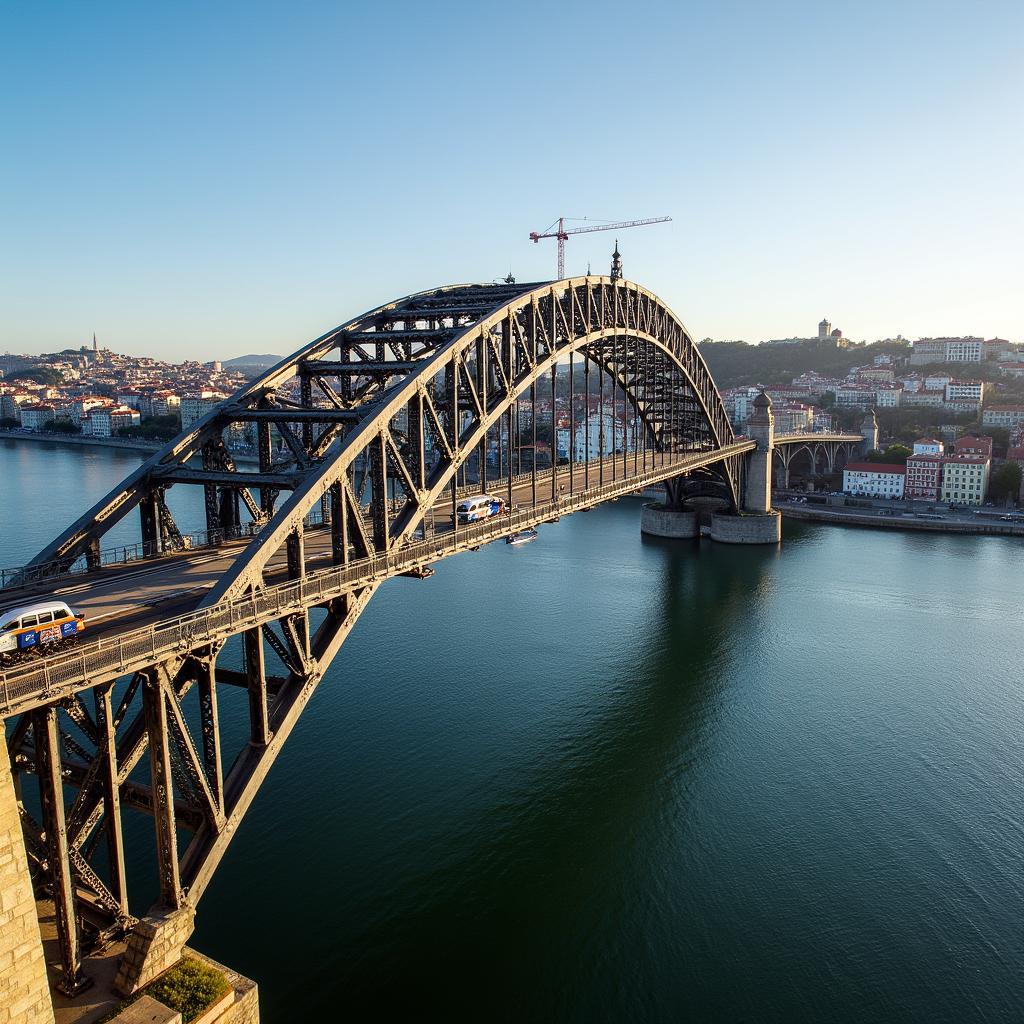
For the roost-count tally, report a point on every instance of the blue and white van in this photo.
(31, 625)
(479, 506)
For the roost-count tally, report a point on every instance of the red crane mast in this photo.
(562, 233)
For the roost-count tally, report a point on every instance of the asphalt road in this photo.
(119, 598)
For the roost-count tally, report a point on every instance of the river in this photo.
(603, 778)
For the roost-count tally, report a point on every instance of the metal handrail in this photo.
(45, 680)
(124, 554)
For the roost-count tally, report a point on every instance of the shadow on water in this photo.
(522, 922)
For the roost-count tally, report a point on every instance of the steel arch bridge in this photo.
(381, 427)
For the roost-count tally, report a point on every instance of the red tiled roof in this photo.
(876, 467)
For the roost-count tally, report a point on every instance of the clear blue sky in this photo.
(209, 179)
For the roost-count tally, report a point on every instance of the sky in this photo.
(207, 180)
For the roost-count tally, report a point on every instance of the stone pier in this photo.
(658, 521)
(28, 938)
(24, 988)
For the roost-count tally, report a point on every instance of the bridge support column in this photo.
(24, 989)
(656, 520)
(746, 529)
(758, 522)
(757, 495)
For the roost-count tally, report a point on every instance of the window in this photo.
(29, 620)
(45, 617)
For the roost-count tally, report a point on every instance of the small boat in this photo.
(423, 572)
(522, 537)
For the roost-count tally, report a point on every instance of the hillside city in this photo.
(950, 410)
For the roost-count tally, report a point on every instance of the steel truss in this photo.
(378, 425)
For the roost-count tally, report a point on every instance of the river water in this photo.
(603, 778)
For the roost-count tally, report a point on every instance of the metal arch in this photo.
(623, 329)
(615, 315)
(85, 532)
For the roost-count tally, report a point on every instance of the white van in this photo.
(42, 622)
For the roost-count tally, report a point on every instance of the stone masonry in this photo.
(154, 945)
(24, 989)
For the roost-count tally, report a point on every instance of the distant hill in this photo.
(253, 360)
(733, 363)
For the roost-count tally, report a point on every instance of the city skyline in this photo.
(191, 182)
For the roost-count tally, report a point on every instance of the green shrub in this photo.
(190, 987)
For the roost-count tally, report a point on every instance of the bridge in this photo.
(367, 440)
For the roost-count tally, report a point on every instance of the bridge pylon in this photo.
(758, 522)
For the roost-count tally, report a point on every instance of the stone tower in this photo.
(869, 428)
(760, 428)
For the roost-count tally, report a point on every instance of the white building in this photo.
(927, 399)
(947, 350)
(793, 418)
(36, 416)
(927, 446)
(855, 396)
(562, 443)
(874, 479)
(599, 436)
(106, 421)
(964, 350)
(164, 403)
(196, 405)
(80, 407)
(965, 391)
(887, 398)
(1009, 416)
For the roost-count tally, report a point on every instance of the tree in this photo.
(1005, 481)
(898, 454)
(156, 428)
(894, 454)
(8, 423)
(64, 426)
(41, 375)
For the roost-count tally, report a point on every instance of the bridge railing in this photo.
(148, 551)
(122, 554)
(45, 680)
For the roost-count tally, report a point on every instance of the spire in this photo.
(616, 263)
(95, 345)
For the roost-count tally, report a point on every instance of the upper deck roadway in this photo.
(144, 599)
(138, 609)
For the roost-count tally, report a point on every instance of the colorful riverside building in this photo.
(964, 480)
(874, 479)
(924, 475)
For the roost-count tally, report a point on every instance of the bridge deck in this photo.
(136, 611)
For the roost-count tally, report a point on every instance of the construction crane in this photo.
(562, 233)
